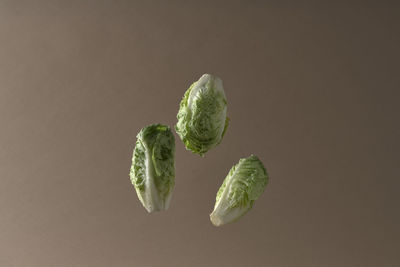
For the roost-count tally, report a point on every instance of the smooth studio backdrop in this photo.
(312, 89)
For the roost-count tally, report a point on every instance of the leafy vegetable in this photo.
(244, 183)
(153, 167)
(202, 120)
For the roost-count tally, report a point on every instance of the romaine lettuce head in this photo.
(153, 167)
(245, 182)
(202, 120)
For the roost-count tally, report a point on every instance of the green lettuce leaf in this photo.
(245, 182)
(153, 167)
(202, 120)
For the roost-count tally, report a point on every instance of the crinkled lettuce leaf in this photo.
(153, 167)
(245, 182)
(202, 120)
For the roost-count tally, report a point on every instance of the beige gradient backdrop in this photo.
(312, 90)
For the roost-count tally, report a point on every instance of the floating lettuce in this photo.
(153, 167)
(202, 120)
(245, 183)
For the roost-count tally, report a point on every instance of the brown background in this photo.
(312, 90)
